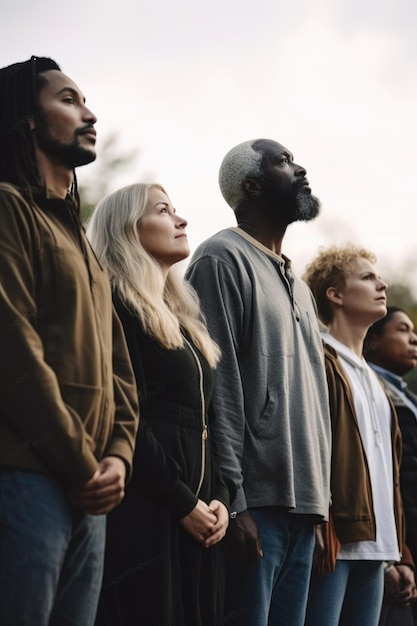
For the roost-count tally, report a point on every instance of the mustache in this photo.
(83, 129)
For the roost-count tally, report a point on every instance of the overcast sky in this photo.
(182, 82)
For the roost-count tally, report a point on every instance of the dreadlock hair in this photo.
(20, 85)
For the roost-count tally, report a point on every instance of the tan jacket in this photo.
(67, 391)
(352, 505)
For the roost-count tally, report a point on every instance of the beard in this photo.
(71, 154)
(307, 206)
(294, 203)
(304, 206)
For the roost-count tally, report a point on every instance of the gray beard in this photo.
(307, 206)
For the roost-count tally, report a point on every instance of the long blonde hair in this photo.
(163, 306)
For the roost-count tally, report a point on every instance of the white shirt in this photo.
(373, 413)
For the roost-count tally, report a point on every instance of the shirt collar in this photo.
(394, 379)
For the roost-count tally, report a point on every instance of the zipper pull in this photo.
(204, 433)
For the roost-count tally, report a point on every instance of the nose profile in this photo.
(89, 115)
(181, 222)
(300, 170)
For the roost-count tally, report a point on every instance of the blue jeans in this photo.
(351, 595)
(274, 589)
(51, 554)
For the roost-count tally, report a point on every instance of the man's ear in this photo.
(334, 295)
(252, 187)
(31, 122)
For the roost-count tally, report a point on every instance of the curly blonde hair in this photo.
(329, 269)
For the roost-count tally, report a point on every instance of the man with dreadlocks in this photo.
(68, 405)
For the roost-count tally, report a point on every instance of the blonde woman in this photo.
(162, 565)
(366, 502)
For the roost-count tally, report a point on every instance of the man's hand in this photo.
(200, 522)
(242, 541)
(319, 545)
(400, 585)
(104, 490)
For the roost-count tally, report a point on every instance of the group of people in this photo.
(197, 450)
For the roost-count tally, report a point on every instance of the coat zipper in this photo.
(203, 417)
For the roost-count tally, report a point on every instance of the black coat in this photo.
(155, 572)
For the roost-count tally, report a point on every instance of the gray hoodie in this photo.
(270, 424)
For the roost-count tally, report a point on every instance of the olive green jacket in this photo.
(67, 391)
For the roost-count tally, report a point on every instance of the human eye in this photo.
(69, 100)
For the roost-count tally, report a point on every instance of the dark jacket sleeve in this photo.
(154, 471)
(408, 426)
(407, 557)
